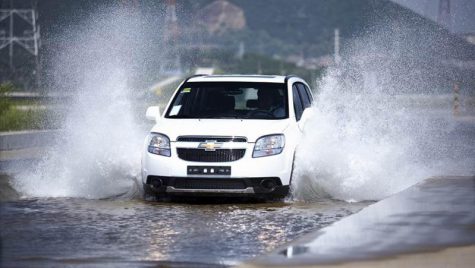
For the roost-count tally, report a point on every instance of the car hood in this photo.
(251, 129)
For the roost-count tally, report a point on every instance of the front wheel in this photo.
(149, 193)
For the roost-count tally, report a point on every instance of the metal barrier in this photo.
(16, 140)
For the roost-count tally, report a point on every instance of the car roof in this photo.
(238, 78)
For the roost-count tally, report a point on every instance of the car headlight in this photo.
(269, 145)
(159, 144)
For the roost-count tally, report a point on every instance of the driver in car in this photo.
(270, 100)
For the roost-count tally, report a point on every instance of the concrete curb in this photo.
(411, 228)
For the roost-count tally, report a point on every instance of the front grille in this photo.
(211, 138)
(209, 184)
(220, 155)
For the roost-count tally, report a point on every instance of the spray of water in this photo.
(364, 142)
(355, 148)
(98, 152)
(367, 139)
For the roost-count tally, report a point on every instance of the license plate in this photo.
(208, 170)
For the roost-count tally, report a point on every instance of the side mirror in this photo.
(153, 113)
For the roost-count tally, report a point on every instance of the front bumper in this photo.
(243, 179)
(279, 166)
(266, 187)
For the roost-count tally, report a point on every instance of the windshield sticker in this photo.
(186, 90)
(175, 110)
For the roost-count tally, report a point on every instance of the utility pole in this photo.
(29, 40)
(241, 51)
(444, 17)
(456, 105)
(171, 63)
(336, 55)
(170, 33)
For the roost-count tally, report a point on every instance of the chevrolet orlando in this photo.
(227, 135)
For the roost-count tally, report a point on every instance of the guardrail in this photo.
(16, 140)
(17, 95)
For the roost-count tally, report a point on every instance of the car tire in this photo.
(148, 192)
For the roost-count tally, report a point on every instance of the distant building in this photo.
(221, 16)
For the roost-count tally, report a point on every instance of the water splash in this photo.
(355, 148)
(370, 137)
(98, 152)
(365, 141)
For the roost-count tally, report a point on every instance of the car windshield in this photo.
(241, 100)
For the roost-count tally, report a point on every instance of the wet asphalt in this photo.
(132, 232)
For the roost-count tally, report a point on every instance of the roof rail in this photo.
(195, 75)
(288, 77)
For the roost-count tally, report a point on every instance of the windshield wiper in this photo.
(228, 116)
(182, 116)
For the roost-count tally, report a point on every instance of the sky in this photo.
(463, 12)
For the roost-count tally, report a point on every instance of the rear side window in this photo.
(309, 94)
(304, 95)
(298, 106)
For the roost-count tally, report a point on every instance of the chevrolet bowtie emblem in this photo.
(210, 145)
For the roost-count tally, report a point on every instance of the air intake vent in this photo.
(220, 155)
(210, 138)
(210, 184)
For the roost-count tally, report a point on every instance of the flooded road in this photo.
(57, 232)
(126, 230)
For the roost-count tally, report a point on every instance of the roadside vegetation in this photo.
(12, 118)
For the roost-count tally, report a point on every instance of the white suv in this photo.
(232, 135)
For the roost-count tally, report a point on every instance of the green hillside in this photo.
(274, 29)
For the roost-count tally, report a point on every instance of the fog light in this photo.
(157, 183)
